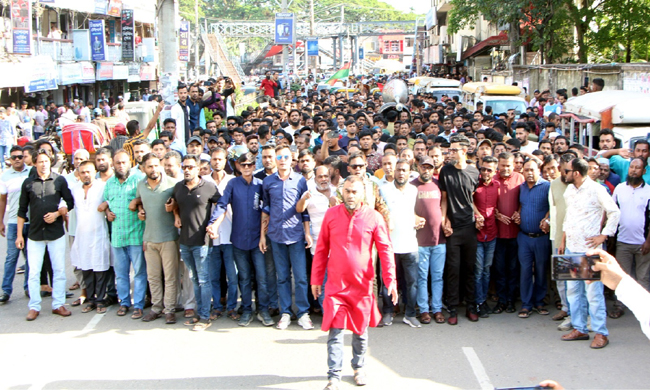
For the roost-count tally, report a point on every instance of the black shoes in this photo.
(4, 297)
(510, 308)
(484, 310)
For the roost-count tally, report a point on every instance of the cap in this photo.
(426, 160)
(213, 138)
(195, 138)
(484, 141)
(119, 129)
(204, 157)
(603, 160)
(553, 135)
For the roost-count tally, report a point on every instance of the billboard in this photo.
(81, 44)
(312, 47)
(97, 40)
(128, 36)
(21, 24)
(184, 44)
(285, 28)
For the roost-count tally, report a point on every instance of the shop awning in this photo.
(486, 44)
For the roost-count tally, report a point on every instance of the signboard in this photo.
(81, 44)
(312, 47)
(100, 7)
(21, 23)
(104, 71)
(87, 72)
(362, 54)
(115, 8)
(147, 72)
(184, 45)
(120, 72)
(70, 73)
(42, 74)
(431, 19)
(134, 72)
(148, 49)
(97, 40)
(284, 28)
(128, 36)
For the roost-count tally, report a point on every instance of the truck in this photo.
(498, 96)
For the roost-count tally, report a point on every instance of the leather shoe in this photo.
(31, 316)
(471, 315)
(4, 297)
(453, 318)
(575, 335)
(425, 318)
(600, 341)
(170, 318)
(151, 316)
(62, 311)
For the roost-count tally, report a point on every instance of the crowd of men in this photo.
(222, 217)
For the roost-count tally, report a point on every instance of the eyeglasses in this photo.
(185, 167)
(231, 123)
(489, 170)
(246, 164)
(17, 157)
(248, 124)
(282, 157)
(357, 166)
(279, 137)
(221, 143)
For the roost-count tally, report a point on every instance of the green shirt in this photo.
(159, 224)
(126, 229)
(621, 165)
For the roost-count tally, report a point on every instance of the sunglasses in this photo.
(221, 143)
(231, 124)
(248, 125)
(281, 157)
(185, 167)
(279, 137)
(246, 164)
(17, 157)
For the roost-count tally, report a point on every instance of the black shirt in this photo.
(460, 185)
(195, 209)
(42, 197)
(261, 174)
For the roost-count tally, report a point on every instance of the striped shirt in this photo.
(126, 229)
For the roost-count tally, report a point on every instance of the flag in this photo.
(342, 73)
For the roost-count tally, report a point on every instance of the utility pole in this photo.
(168, 37)
(341, 36)
(197, 31)
(285, 49)
(312, 33)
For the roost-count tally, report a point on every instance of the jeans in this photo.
(56, 248)
(587, 299)
(196, 259)
(484, 256)
(506, 263)
(409, 263)
(288, 258)
(431, 262)
(335, 352)
(124, 258)
(12, 258)
(223, 254)
(271, 276)
(246, 260)
(534, 254)
(4, 150)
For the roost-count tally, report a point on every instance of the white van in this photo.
(498, 96)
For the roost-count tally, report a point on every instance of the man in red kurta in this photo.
(344, 250)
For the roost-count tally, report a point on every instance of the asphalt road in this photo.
(90, 351)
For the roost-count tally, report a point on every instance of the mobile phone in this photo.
(574, 266)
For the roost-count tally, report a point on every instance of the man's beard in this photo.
(296, 123)
(87, 183)
(634, 181)
(401, 182)
(253, 150)
(102, 168)
(352, 207)
(425, 177)
(123, 176)
(306, 170)
(153, 176)
(323, 187)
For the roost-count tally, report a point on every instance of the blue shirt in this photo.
(534, 205)
(621, 166)
(280, 198)
(614, 179)
(246, 202)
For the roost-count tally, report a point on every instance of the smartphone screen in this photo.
(575, 266)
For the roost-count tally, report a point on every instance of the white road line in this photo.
(477, 367)
(94, 321)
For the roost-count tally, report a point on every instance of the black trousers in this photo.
(95, 285)
(461, 261)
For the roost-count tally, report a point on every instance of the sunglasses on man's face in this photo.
(231, 123)
(17, 157)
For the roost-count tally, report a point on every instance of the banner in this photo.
(87, 72)
(100, 7)
(81, 44)
(284, 29)
(128, 36)
(104, 71)
(312, 47)
(21, 23)
(70, 73)
(147, 72)
(97, 39)
(184, 45)
(148, 49)
(134, 72)
(42, 74)
(362, 54)
(114, 8)
(120, 72)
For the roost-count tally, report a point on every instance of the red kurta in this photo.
(345, 250)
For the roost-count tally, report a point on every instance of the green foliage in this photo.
(622, 31)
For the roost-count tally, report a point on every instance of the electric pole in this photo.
(285, 50)
(197, 31)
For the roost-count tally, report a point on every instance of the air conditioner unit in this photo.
(434, 40)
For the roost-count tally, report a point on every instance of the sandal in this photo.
(88, 308)
(216, 313)
(541, 310)
(122, 311)
(232, 314)
(524, 313)
(137, 314)
(558, 305)
(74, 287)
(191, 321)
(616, 313)
(439, 318)
(101, 308)
(78, 301)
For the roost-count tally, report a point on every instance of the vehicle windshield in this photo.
(499, 106)
(449, 92)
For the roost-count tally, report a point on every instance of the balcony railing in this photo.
(58, 49)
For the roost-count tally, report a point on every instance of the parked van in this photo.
(436, 86)
(498, 96)
(625, 113)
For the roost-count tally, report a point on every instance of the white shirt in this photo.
(91, 249)
(401, 205)
(11, 183)
(637, 299)
(584, 213)
(225, 229)
(73, 182)
(317, 206)
(530, 147)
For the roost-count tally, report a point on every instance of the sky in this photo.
(420, 6)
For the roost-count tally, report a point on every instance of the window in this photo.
(386, 45)
(394, 46)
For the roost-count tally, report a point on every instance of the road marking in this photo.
(477, 367)
(94, 321)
